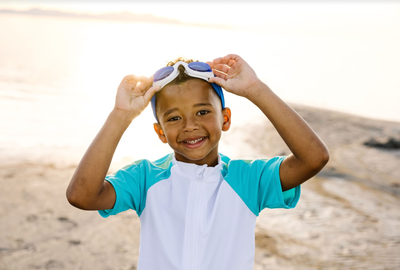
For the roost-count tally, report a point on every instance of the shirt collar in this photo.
(192, 169)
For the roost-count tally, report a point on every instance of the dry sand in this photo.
(348, 216)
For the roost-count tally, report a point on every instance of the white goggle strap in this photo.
(192, 73)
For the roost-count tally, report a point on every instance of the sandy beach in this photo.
(348, 215)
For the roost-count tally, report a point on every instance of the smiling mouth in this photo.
(194, 141)
(194, 144)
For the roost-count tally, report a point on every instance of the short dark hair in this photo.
(182, 77)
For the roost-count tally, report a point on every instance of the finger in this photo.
(229, 59)
(141, 79)
(222, 68)
(147, 82)
(231, 62)
(228, 62)
(131, 78)
(143, 86)
(218, 60)
(128, 78)
(150, 93)
(222, 61)
(128, 81)
(220, 74)
(211, 64)
(134, 80)
(220, 81)
(137, 84)
(232, 57)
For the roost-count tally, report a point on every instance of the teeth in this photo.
(194, 141)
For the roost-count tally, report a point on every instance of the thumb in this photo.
(150, 93)
(221, 82)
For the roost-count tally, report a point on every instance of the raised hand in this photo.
(134, 94)
(233, 74)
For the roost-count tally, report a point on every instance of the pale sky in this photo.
(339, 14)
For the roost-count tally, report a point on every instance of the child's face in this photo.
(192, 120)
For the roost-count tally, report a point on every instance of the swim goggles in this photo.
(194, 69)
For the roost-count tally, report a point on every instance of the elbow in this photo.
(325, 156)
(75, 199)
(321, 160)
(317, 160)
(72, 198)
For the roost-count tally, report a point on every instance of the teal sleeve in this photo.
(258, 184)
(129, 189)
(270, 192)
(132, 182)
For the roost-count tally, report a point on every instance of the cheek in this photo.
(170, 135)
(216, 129)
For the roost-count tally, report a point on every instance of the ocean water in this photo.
(58, 77)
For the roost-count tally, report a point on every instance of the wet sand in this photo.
(348, 216)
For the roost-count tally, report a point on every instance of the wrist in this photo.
(256, 89)
(122, 117)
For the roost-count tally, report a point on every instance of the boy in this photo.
(197, 207)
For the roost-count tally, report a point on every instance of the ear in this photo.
(160, 133)
(226, 114)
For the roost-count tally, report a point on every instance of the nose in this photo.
(190, 124)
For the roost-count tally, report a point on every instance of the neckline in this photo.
(191, 169)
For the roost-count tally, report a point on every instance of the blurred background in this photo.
(61, 62)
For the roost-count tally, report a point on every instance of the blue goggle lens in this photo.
(166, 71)
(162, 73)
(200, 66)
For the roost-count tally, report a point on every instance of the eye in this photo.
(203, 112)
(172, 119)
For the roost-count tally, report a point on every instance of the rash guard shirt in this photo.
(197, 217)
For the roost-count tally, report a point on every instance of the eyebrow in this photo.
(170, 111)
(195, 105)
(201, 104)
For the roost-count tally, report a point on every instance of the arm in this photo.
(88, 190)
(309, 153)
